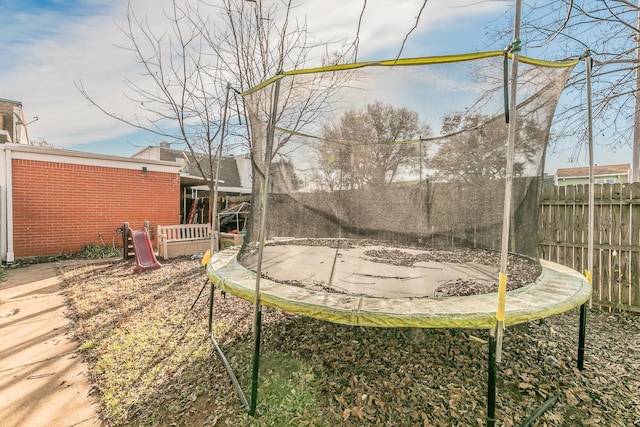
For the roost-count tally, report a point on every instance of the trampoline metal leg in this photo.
(491, 382)
(232, 375)
(541, 410)
(225, 362)
(211, 309)
(582, 335)
(198, 297)
(256, 362)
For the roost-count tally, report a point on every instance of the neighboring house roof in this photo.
(9, 101)
(228, 175)
(621, 169)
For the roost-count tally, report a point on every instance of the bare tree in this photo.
(475, 150)
(369, 147)
(356, 41)
(41, 142)
(608, 32)
(257, 41)
(202, 49)
(180, 97)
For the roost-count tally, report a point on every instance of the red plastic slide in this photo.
(143, 251)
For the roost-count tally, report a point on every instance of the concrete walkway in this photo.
(43, 380)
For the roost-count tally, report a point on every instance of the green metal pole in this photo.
(582, 330)
(256, 363)
(211, 308)
(582, 335)
(257, 309)
(491, 391)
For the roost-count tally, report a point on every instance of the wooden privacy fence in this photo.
(563, 238)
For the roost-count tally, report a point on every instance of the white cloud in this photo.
(47, 64)
(385, 24)
(49, 51)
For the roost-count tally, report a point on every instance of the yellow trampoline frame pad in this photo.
(558, 289)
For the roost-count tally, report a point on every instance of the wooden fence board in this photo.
(563, 238)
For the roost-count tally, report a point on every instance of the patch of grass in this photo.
(99, 251)
(90, 251)
(87, 346)
(286, 392)
(3, 274)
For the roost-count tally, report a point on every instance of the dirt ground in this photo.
(145, 338)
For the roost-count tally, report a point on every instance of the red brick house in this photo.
(54, 201)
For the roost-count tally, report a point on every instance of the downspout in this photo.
(9, 206)
(3, 204)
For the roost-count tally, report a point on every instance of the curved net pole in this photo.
(214, 205)
(582, 331)
(257, 309)
(506, 219)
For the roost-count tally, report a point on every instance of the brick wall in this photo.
(59, 207)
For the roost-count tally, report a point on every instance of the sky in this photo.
(50, 46)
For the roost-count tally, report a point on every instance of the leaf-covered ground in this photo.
(153, 364)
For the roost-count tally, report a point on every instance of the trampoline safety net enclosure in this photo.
(382, 188)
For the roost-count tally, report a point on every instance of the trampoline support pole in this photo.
(541, 410)
(582, 332)
(211, 309)
(223, 358)
(583, 308)
(257, 308)
(491, 390)
(232, 375)
(256, 364)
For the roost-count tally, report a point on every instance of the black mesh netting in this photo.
(406, 162)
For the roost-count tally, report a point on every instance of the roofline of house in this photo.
(31, 152)
(595, 175)
(598, 170)
(185, 151)
(11, 101)
(241, 190)
(198, 178)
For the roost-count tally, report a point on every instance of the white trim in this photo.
(46, 154)
(198, 178)
(240, 190)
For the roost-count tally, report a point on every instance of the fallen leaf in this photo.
(357, 412)
(345, 414)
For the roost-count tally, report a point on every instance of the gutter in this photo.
(59, 155)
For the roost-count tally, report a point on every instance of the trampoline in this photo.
(402, 194)
(556, 290)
